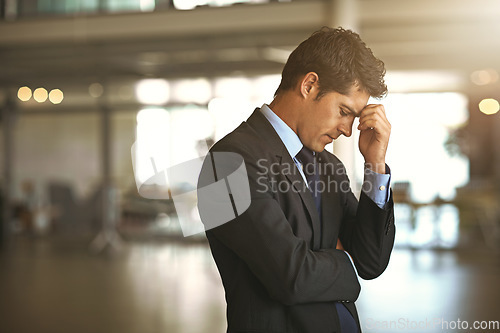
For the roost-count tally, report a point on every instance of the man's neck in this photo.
(285, 107)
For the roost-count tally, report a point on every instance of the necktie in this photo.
(310, 168)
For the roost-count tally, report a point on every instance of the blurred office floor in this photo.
(56, 285)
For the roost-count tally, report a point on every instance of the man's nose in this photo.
(346, 128)
(347, 133)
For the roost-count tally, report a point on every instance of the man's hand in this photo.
(374, 137)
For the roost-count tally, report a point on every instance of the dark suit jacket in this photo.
(279, 266)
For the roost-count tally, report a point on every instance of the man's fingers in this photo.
(374, 120)
(375, 125)
(373, 117)
(371, 108)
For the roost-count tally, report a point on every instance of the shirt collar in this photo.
(286, 134)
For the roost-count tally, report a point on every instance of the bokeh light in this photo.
(489, 106)
(40, 95)
(56, 96)
(24, 94)
(484, 76)
(192, 91)
(153, 91)
(96, 90)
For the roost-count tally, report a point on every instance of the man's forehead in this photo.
(351, 109)
(355, 101)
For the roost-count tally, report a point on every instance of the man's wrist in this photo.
(377, 167)
(376, 186)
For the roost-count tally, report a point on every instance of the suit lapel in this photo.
(329, 199)
(300, 187)
(289, 169)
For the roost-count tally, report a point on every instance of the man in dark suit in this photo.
(286, 261)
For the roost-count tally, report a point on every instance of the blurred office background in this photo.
(82, 82)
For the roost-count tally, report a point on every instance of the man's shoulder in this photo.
(239, 139)
(247, 140)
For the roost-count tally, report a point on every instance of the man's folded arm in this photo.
(290, 271)
(373, 237)
(368, 230)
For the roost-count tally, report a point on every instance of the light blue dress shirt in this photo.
(375, 185)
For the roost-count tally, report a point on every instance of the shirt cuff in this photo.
(376, 186)
(352, 262)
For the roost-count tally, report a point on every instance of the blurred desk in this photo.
(473, 214)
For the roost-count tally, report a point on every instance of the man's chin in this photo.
(325, 140)
(319, 148)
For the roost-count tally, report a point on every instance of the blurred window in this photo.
(191, 4)
(173, 135)
(170, 136)
(422, 125)
(15, 9)
(63, 6)
(130, 5)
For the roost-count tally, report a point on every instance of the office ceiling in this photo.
(243, 39)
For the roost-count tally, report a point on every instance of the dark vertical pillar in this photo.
(103, 6)
(108, 234)
(106, 163)
(3, 5)
(481, 136)
(7, 121)
(496, 147)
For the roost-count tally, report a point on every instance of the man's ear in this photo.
(308, 84)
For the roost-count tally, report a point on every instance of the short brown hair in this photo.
(340, 58)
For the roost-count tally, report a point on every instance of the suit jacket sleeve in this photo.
(262, 237)
(367, 233)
